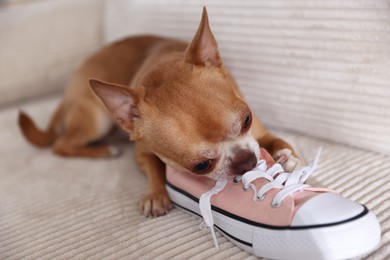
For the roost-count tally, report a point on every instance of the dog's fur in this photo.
(183, 109)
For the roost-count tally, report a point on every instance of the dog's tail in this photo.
(36, 136)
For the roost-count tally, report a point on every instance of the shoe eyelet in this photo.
(245, 189)
(260, 198)
(276, 205)
(237, 179)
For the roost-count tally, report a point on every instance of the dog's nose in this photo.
(243, 162)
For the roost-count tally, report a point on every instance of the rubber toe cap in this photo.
(325, 209)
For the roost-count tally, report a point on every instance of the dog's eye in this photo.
(202, 167)
(247, 122)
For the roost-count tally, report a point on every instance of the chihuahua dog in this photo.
(182, 109)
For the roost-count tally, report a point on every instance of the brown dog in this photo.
(183, 109)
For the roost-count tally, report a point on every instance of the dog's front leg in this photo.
(156, 201)
(281, 151)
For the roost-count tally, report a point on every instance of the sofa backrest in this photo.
(42, 42)
(317, 67)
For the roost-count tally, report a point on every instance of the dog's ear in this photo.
(203, 49)
(120, 101)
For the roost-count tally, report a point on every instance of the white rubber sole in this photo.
(350, 239)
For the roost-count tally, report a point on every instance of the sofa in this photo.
(316, 72)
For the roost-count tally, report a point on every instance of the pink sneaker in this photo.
(274, 214)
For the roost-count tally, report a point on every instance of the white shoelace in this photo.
(205, 208)
(287, 183)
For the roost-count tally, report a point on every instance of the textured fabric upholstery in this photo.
(42, 42)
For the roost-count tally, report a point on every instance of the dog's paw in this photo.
(288, 160)
(155, 204)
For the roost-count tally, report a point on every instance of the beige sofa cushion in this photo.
(317, 67)
(42, 42)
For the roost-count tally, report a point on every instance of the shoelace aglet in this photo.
(214, 237)
(317, 157)
(203, 226)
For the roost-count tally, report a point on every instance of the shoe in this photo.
(273, 214)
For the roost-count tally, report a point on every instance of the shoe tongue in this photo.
(267, 157)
